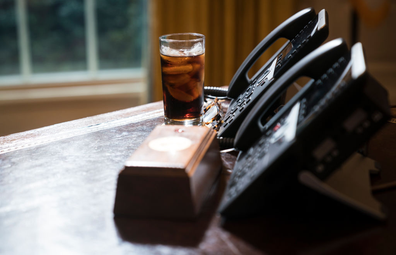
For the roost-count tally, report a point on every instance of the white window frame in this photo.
(91, 82)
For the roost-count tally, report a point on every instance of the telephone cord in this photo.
(225, 142)
(215, 91)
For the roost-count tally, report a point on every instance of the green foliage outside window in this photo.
(9, 58)
(120, 33)
(57, 35)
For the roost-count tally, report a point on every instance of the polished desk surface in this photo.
(57, 189)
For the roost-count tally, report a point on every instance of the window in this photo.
(50, 42)
(8, 39)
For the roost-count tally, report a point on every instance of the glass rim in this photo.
(201, 37)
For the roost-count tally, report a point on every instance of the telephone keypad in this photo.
(329, 77)
(240, 106)
(246, 170)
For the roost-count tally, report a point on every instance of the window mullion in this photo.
(91, 37)
(23, 39)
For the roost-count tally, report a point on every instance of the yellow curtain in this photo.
(232, 29)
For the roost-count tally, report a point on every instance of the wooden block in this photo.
(170, 174)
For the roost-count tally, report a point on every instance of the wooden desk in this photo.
(57, 189)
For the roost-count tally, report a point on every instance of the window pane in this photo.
(120, 29)
(9, 62)
(57, 35)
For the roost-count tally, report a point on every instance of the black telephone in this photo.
(312, 136)
(305, 32)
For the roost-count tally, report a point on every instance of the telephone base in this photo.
(350, 185)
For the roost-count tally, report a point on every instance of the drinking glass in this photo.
(182, 67)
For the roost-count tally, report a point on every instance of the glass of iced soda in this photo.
(182, 67)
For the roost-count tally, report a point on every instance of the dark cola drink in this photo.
(182, 84)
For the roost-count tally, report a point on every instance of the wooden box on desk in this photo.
(170, 174)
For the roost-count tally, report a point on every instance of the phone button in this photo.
(280, 57)
(336, 65)
(342, 60)
(330, 72)
(324, 77)
(249, 94)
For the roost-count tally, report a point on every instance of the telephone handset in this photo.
(305, 32)
(314, 67)
(311, 137)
